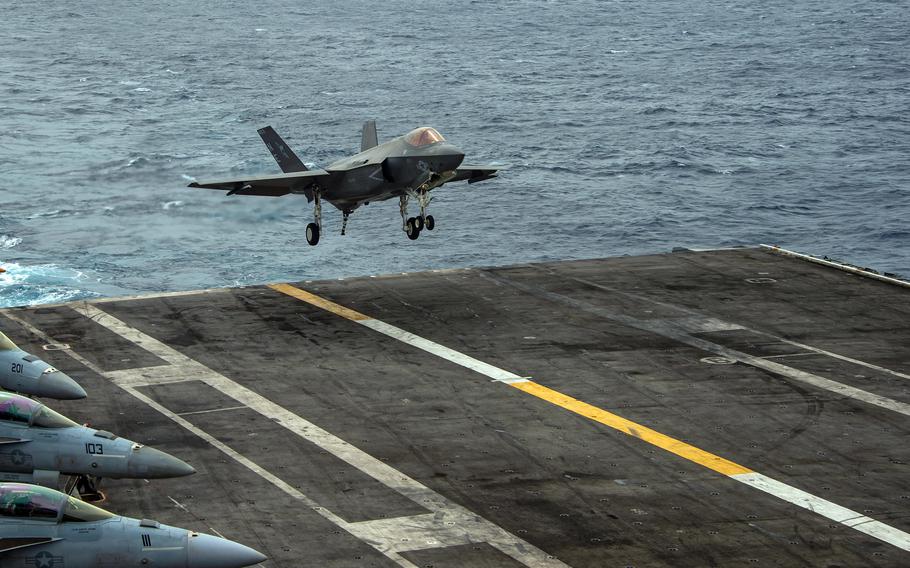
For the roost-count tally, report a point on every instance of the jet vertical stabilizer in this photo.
(369, 138)
(286, 158)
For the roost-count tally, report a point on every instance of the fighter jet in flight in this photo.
(43, 528)
(38, 444)
(27, 374)
(405, 167)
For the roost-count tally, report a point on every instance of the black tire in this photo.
(411, 229)
(418, 222)
(312, 234)
(429, 223)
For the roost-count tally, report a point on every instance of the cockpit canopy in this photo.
(36, 503)
(6, 344)
(423, 136)
(15, 408)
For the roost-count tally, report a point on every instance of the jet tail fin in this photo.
(369, 138)
(286, 158)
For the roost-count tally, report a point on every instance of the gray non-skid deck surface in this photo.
(638, 336)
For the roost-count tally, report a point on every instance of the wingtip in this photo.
(194, 184)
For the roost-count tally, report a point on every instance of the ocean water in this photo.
(630, 127)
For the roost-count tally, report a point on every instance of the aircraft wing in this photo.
(4, 440)
(473, 174)
(270, 186)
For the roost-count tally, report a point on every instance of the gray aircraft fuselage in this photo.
(408, 166)
(25, 373)
(37, 445)
(389, 170)
(43, 528)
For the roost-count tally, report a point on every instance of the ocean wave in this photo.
(25, 285)
(53, 213)
(8, 242)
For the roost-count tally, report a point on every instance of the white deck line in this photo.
(668, 328)
(833, 511)
(443, 352)
(837, 265)
(695, 316)
(447, 514)
(210, 410)
(818, 351)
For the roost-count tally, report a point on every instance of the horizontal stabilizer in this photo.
(369, 138)
(474, 174)
(286, 158)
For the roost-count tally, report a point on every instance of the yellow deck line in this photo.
(653, 437)
(618, 423)
(319, 302)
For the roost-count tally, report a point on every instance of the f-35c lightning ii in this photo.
(405, 167)
(43, 528)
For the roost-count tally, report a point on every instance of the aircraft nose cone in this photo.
(452, 158)
(444, 157)
(205, 551)
(60, 386)
(149, 463)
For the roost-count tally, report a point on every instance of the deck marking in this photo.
(679, 334)
(732, 326)
(842, 515)
(653, 437)
(319, 302)
(210, 410)
(431, 347)
(838, 265)
(742, 474)
(449, 517)
(819, 351)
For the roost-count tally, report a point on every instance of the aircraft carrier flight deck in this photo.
(716, 408)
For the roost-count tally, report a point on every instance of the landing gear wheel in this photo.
(418, 221)
(312, 234)
(411, 229)
(429, 222)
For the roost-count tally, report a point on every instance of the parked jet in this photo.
(27, 374)
(405, 167)
(43, 528)
(38, 444)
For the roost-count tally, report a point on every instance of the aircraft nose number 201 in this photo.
(94, 449)
(17, 367)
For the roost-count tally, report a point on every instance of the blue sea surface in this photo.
(630, 127)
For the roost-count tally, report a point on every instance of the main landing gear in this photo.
(314, 228)
(413, 225)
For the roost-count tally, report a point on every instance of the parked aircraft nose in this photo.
(150, 463)
(205, 551)
(58, 385)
